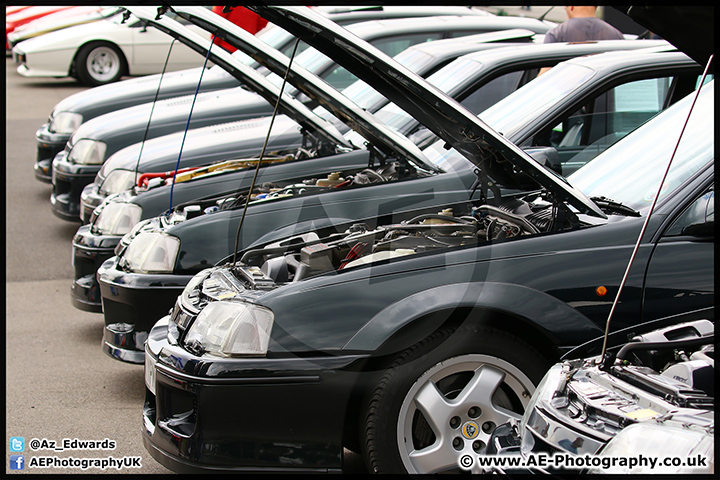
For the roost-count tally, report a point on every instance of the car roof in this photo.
(548, 50)
(347, 14)
(641, 57)
(442, 48)
(439, 23)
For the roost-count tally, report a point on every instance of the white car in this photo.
(57, 21)
(101, 52)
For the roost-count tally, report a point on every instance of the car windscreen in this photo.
(630, 170)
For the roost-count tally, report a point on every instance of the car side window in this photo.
(605, 119)
(492, 92)
(340, 78)
(614, 113)
(698, 219)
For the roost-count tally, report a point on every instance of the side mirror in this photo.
(705, 225)
(698, 220)
(710, 212)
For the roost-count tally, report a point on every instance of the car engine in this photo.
(313, 253)
(654, 396)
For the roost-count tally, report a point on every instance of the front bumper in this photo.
(68, 181)
(213, 414)
(89, 252)
(49, 144)
(131, 304)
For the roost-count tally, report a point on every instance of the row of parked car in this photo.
(380, 235)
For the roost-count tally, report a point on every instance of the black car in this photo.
(133, 295)
(72, 111)
(486, 79)
(94, 142)
(129, 126)
(411, 341)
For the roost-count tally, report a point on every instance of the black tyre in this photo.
(99, 64)
(442, 398)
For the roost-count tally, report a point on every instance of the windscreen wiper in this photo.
(611, 206)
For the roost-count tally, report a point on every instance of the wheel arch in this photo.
(501, 306)
(100, 41)
(531, 312)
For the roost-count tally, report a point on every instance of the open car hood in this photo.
(690, 28)
(377, 133)
(248, 76)
(498, 160)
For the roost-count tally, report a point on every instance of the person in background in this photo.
(582, 25)
(243, 18)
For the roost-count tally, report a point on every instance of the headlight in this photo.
(117, 218)
(231, 328)
(677, 450)
(118, 181)
(88, 152)
(128, 237)
(65, 122)
(152, 252)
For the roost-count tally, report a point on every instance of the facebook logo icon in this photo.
(17, 462)
(17, 444)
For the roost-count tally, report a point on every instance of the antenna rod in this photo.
(262, 153)
(152, 109)
(187, 125)
(652, 207)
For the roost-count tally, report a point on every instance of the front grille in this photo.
(117, 312)
(176, 410)
(48, 152)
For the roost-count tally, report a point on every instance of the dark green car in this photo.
(409, 342)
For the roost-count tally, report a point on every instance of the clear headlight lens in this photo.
(65, 122)
(118, 181)
(152, 252)
(117, 218)
(231, 328)
(88, 152)
(678, 450)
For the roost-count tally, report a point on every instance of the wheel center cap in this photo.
(470, 430)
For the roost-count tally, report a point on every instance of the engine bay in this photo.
(664, 378)
(327, 250)
(381, 168)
